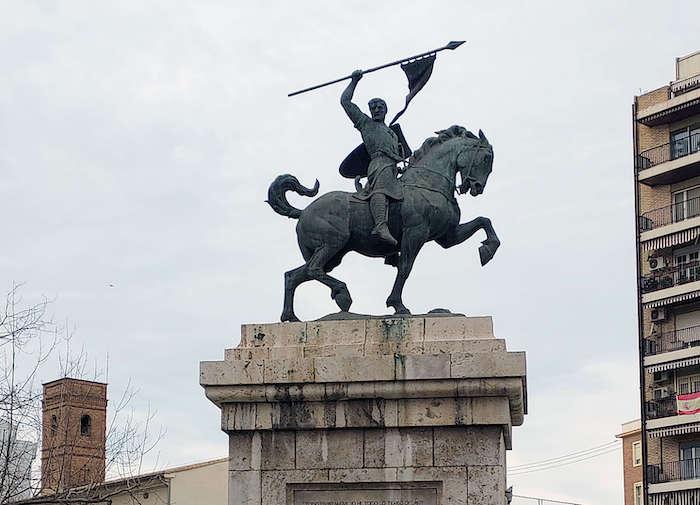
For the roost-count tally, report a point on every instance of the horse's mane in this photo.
(442, 136)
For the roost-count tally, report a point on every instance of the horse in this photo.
(338, 222)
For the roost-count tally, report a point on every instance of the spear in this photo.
(451, 45)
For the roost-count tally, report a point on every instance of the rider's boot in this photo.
(380, 212)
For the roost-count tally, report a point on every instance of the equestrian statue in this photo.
(408, 199)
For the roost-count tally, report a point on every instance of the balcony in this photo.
(671, 471)
(671, 341)
(671, 162)
(663, 407)
(678, 275)
(682, 105)
(670, 214)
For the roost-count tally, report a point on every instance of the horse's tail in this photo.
(276, 195)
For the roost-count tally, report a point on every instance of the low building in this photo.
(631, 436)
(74, 454)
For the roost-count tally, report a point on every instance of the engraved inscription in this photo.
(366, 497)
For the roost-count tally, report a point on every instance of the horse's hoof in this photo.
(402, 311)
(289, 317)
(487, 250)
(343, 301)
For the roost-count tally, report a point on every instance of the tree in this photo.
(29, 340)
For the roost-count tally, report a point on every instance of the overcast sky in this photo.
(137, 141)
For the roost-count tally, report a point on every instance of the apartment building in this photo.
(666, 124)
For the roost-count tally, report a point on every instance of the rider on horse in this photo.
(383, 148)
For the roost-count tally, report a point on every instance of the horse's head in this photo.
(474, 163)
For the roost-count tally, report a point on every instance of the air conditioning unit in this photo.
(658, 315)
(661, 393)
(657, 262)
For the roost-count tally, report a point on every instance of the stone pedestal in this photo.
(393, 411)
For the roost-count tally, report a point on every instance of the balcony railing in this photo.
(663, 407)
(685, 85)
(669, 214)
(673, 471)
(671, 276)
(672, 341)
(667, 152)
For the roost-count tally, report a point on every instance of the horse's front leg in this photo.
(412, 240)
(463, 231)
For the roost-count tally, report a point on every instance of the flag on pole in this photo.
(417, 72)
(688, 404)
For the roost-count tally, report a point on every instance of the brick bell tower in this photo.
(74, 420)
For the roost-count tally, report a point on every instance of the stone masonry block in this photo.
(329, 449)
(274, 483)
(328, 351)
(411, 447)
(277, 450)
(336, 332)
(244, 450)
(454, 482)
(485, 485)
(468, 346)
(288, 370)
(246, 353)
(395, 330)
(273, 334)
(471, 445)
(244, 487)
(434, 412)
(213, 373)
(354, 369)
(422, 367)
(490, 410)
(507, 364)
(458, 327)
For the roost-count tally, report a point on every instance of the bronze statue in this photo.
(339, 222)
(382, 145)
(392, 217)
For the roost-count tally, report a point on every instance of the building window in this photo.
(686, 204)
(688, 384)
(685, 141)
(54, 426)
(85, 426)
(637, 453)
(687, 264)
(638, 492)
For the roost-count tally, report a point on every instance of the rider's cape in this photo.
(356, 163)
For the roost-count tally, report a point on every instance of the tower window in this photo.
(54, 425)
(85, 426)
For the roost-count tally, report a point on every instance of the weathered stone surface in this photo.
(485, 485)
(422, 366)
(453, 328)
(434, 412)
(277, 450)
(414, 400)
(329, 449)
(510, 364)
(288, 370)
(274, 483)
(321, 333)
(379, 368)
(490, 410)
(475, 445)
(231, 372)
(273, 334)
(244, 487)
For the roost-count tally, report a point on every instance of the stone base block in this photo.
(415, 410)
